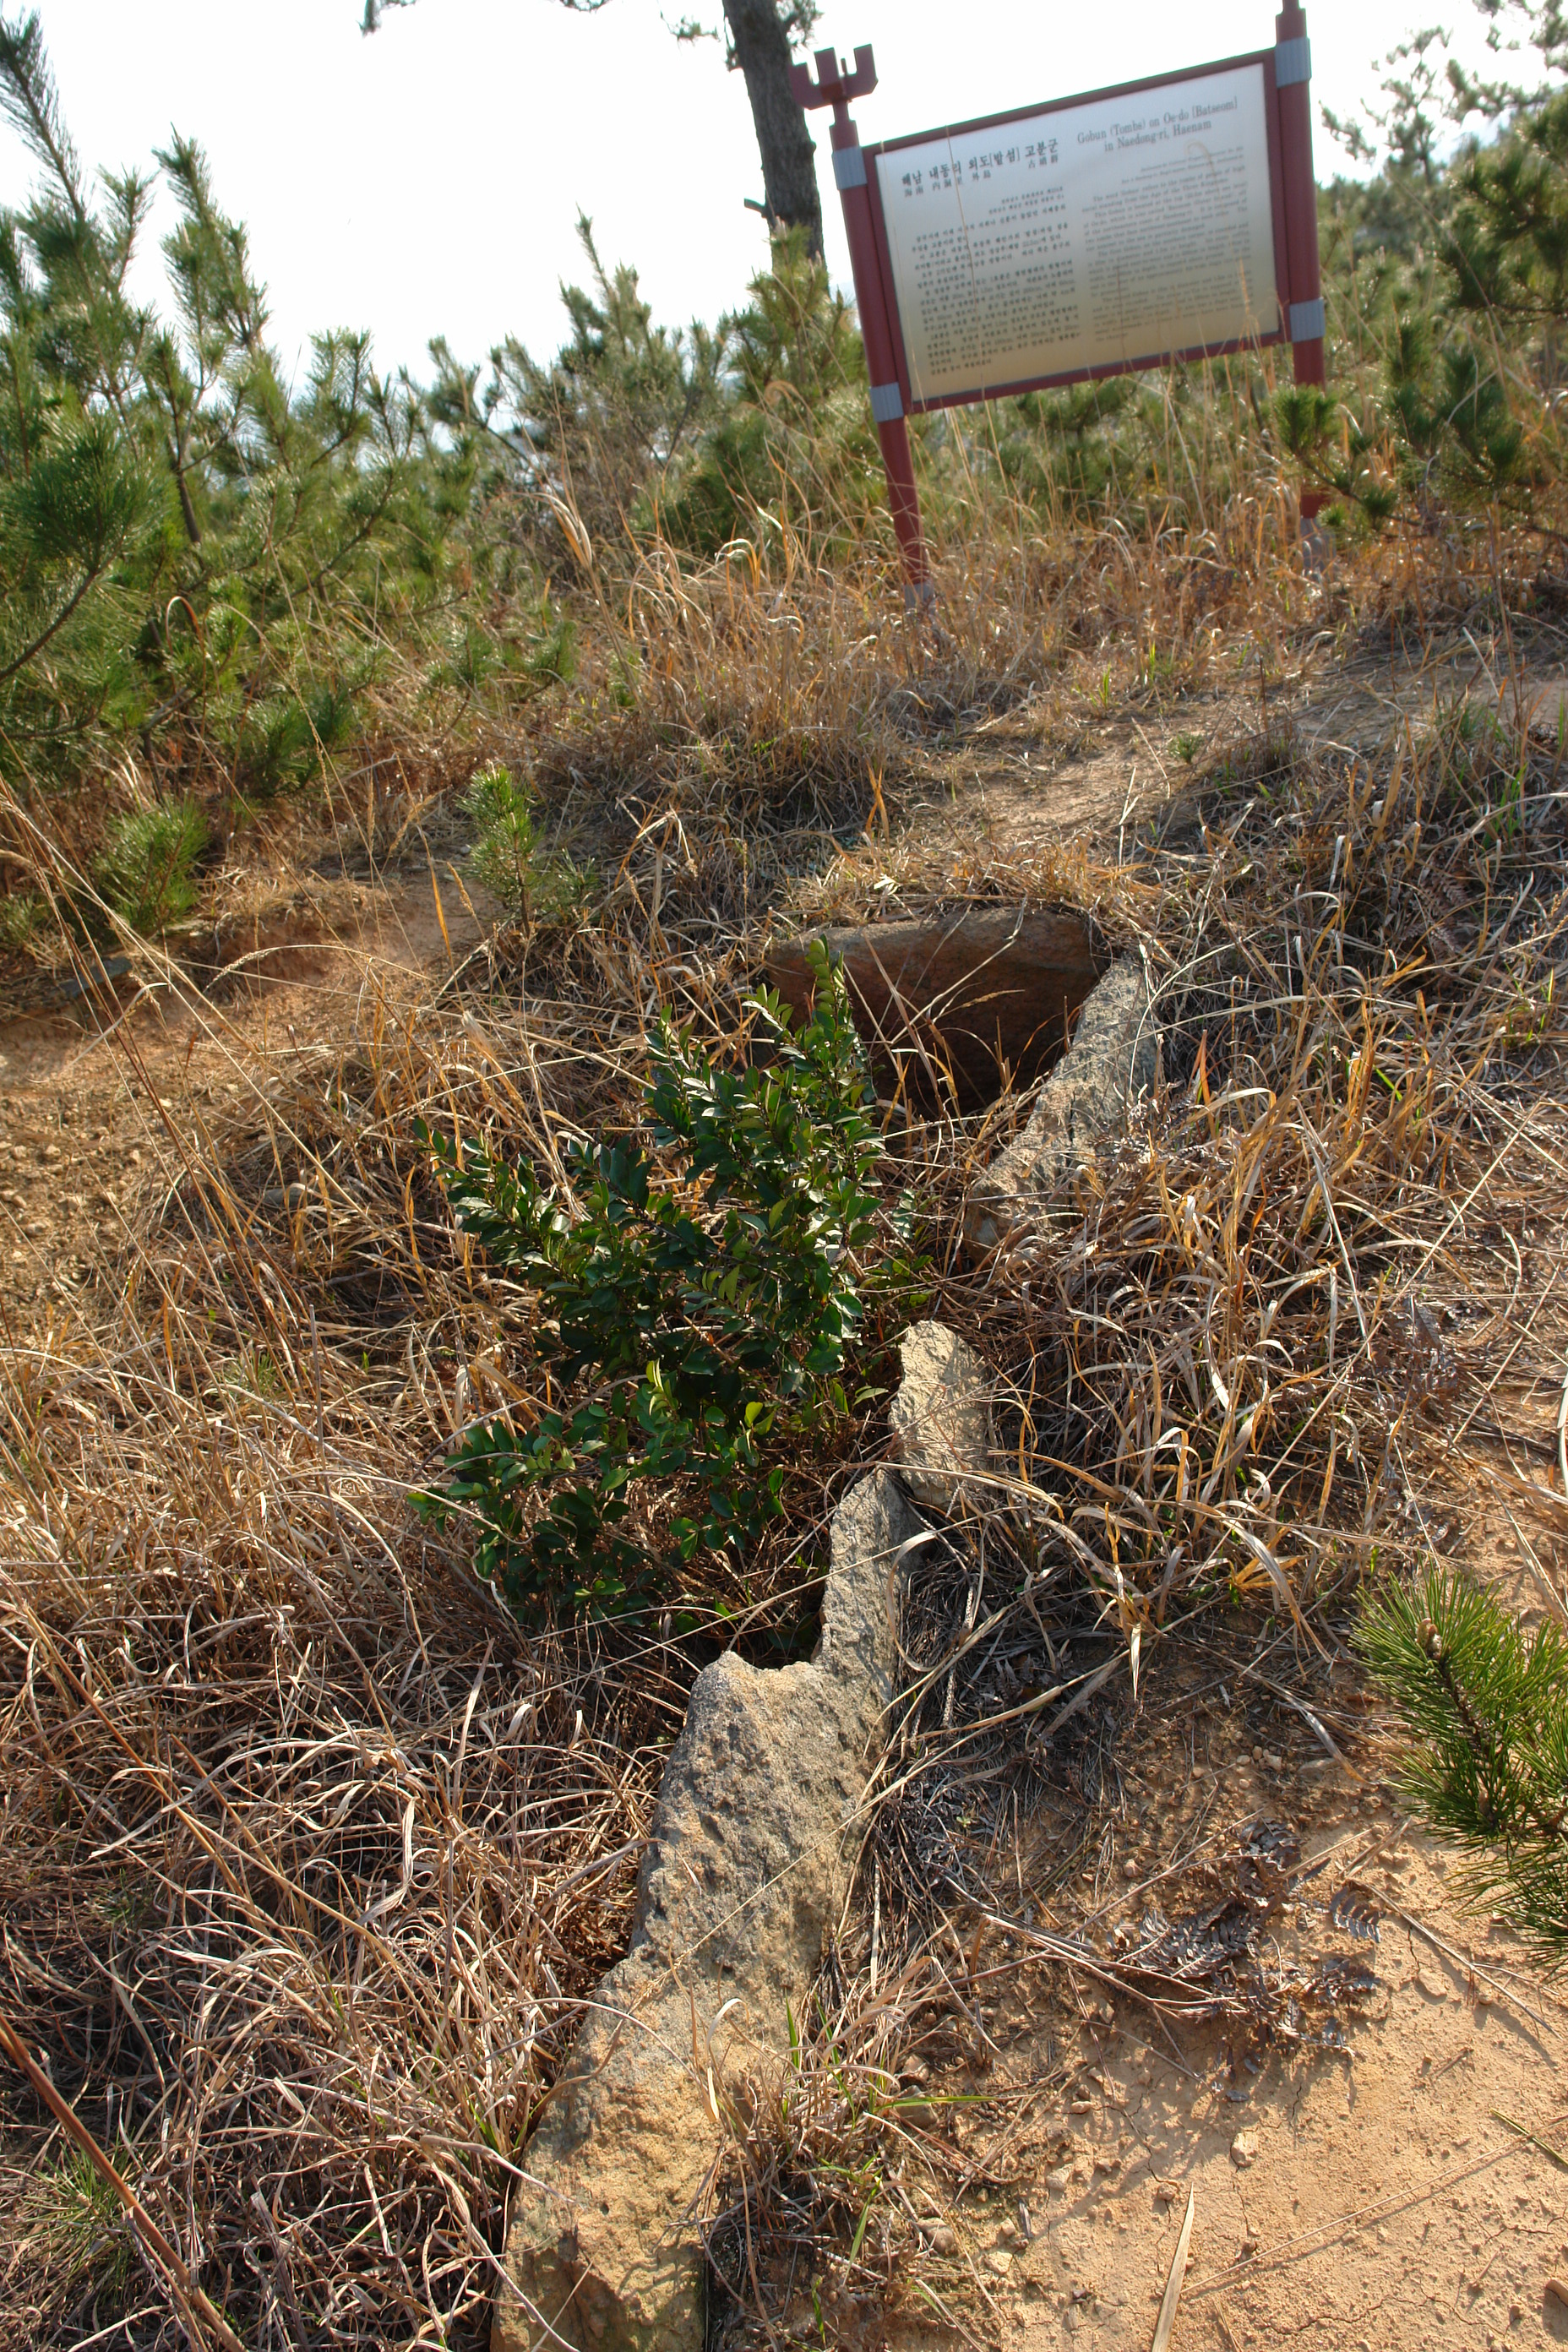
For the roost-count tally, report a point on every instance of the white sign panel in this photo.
(1091, 237)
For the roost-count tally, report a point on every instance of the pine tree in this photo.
(185, 546)
(621, 398)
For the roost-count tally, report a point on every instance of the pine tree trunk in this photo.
(193, 528)
(761, 48)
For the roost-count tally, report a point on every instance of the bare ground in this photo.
(1367, 2194)
(101, 1102)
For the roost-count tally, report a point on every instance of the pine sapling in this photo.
(1486, 1704)
(506, 835)
(507, 858)
(147, 871)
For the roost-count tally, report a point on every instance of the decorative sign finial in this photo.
(834, 85)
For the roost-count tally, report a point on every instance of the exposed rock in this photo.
(1079, 1107)
(941, 1417)
(746, 1873)
(991, 986)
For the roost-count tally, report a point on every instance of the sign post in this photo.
(1293, 85)
(835, 86)
(1173, 219)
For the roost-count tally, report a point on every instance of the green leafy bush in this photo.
(147, 871)
(1487, 1705)
(1487, 444)
(698, 1313)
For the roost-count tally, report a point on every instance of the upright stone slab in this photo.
(754, 1841)
(996, 985)
(941, 1416)
(1080, 1106)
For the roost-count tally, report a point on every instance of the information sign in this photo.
(1165, 219)
(1101, 234)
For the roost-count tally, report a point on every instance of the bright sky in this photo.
(427, 180)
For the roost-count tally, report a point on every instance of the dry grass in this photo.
(1275, 1293)
(315, 1873)
(1262, 1358)
(310, 1859)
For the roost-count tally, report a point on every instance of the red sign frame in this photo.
(1287, 70)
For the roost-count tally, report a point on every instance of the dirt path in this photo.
(1054, 773)
(1364, 2197)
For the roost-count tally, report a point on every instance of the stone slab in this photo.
(941, 1416)
(1080, 1106)
(747, 1871)
(991, 986)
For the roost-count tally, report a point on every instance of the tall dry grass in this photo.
(302, 1830)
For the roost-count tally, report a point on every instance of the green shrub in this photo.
(147, 871)
(1487, 1706)
(699, 1315)
(548, 654)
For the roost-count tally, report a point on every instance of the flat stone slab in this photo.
(753, 1849)
(1080, 1106)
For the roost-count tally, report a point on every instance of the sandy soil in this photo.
(1366, 2197)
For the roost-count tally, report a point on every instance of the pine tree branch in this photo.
(57, 624)
(30, 101)
(1484, 1750)
(1488, 1705)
